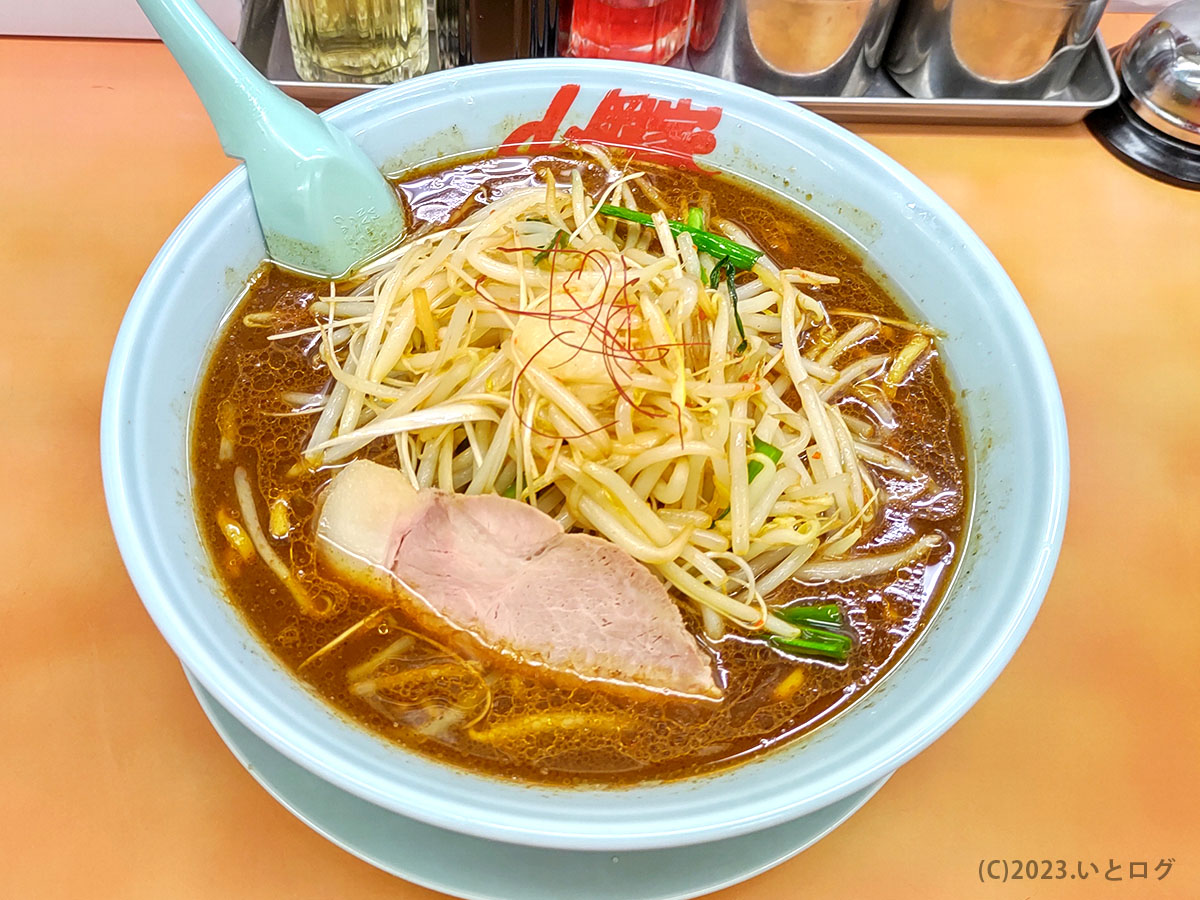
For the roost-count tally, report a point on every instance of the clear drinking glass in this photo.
(372, 41)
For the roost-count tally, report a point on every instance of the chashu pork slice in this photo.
(508, 574)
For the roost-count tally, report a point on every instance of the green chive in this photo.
(724, 266)
(714, 277)
(737, 317)
(695, 218)
(824, 613)
(769, 450)
(560, 240)
(812, 642)
(754, 466)
(740, 256)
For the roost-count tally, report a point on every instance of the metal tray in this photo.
(263, 40)
(1093, 86)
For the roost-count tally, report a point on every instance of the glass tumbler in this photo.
(371, 41)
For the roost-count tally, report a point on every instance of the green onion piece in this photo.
(811, 642)
(740, 256)
(695, 218)
(769, 450)
(714, 277)
(824, 613)
(726, 267)
(737, 317)
(510, 492)
(754, 466)
(560, 240)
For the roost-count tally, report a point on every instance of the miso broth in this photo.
(500, 717)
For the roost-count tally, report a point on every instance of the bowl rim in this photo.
(896, 749)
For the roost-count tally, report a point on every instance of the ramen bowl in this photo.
(909, 238)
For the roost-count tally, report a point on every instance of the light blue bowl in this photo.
(1013, 413)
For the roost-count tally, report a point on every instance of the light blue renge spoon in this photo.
(323, 206)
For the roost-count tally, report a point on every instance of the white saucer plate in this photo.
(477, 869)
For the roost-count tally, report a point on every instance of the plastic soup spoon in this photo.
(323, 206)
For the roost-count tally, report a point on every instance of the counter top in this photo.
(113, 783)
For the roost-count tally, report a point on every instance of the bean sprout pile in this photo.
(626, 381)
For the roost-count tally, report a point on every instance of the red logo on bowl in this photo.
(669, 130)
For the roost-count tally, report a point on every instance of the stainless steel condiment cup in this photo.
(990, 48)
(805, 47)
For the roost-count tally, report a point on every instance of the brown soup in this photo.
(770, 698)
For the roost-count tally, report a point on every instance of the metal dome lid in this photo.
(1160, 67)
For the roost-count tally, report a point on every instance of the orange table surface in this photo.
(1087, 749)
